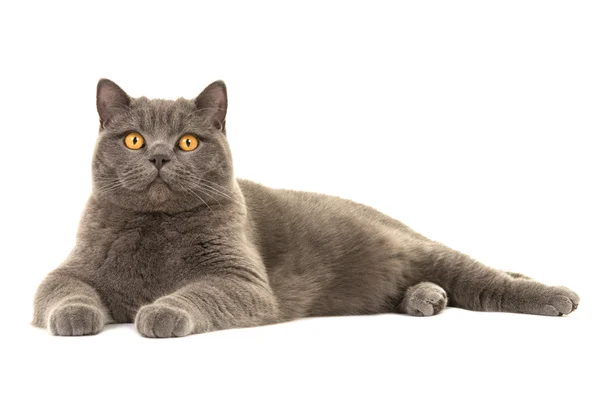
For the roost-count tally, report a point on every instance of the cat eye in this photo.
(134, 141)
(188, 142)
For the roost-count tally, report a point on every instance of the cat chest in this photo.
(146, 257)
(138, 266)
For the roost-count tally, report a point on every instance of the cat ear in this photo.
(212, 103)
(110, 99)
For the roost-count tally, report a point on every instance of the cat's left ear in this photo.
(212, 103)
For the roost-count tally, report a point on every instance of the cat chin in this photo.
(159, 192)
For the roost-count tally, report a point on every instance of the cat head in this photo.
(155, 155)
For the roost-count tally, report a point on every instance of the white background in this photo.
(476, 123)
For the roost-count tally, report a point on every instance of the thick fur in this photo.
(189, 249)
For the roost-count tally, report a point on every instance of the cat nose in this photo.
(159, 160)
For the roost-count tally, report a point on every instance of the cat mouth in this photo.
(160, 181)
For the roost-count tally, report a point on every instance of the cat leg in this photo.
(474, 286)
(68, 307)
(423, 300)
(210, 304)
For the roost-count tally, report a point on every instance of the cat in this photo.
(172, 241)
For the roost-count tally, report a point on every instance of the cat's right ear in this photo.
(110, 100)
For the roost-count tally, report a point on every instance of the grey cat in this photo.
(172, 241)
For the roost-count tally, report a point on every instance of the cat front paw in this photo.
(560, 301)
(533, 297)
(162, 321)
(75, 319)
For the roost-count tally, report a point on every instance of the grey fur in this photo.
(423, 300)
(198, 250)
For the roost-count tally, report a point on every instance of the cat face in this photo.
(161, 155)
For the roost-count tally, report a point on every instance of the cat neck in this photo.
(221, 209)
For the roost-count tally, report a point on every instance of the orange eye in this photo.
(134, 141)
(188, 142)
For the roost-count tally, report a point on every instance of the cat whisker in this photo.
(213, 197)
(198, 197)
(207, 193)
(204, 185)
(221, 189)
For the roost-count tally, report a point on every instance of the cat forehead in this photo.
(160, 108)
(152, 114)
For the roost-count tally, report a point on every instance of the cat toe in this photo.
(560, 301)
(75, 320)
(425, 301)
(159, 321)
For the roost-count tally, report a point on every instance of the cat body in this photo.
(172, 241)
